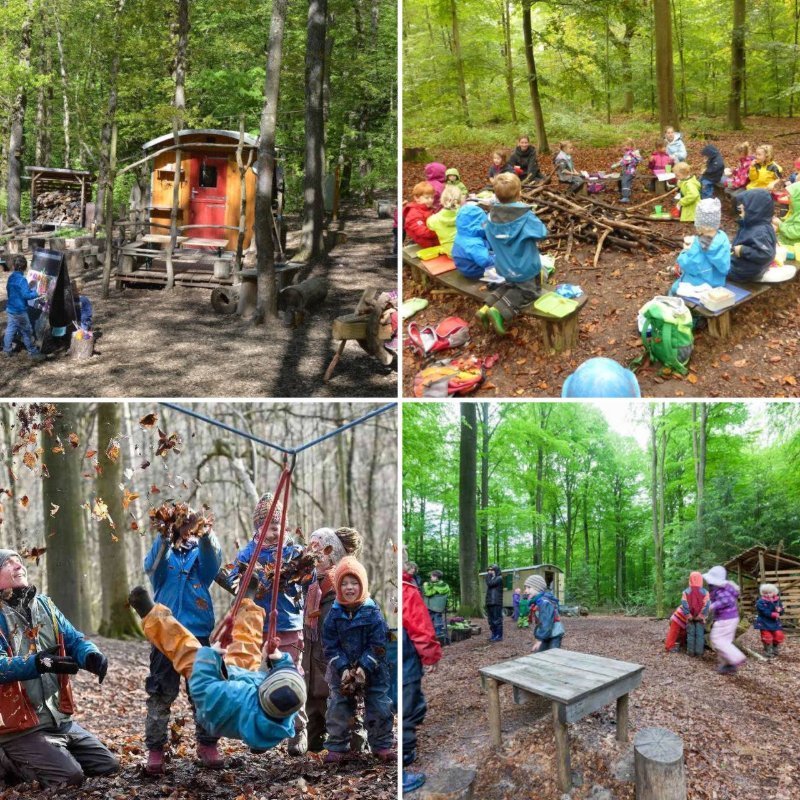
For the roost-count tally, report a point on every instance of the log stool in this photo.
(658, 764)
(454, 783)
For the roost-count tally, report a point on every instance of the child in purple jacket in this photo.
(725, 607)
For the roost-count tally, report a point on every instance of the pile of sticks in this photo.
(59, 205)
(574, 218)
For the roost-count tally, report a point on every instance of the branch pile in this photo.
(587, 219)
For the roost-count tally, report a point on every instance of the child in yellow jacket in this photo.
(764, 171)
(443, 222)
(689, 189)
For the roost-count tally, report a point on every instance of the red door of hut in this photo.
(207, 203)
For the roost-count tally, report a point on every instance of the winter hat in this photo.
(767, 589)
(536, 582)
(708, 213)
(327, 538)
(695, 579)
(261, 510)
(6, 554)
(350, 566)
(716, 576)
(283, 691)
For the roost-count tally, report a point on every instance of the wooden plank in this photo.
(198, 241)
(562, 750)
(599, 698)
(160, 238)
(600, 664)
(493, 689)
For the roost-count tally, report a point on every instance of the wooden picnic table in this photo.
(719, 322)
(161, 238)
(577, 684)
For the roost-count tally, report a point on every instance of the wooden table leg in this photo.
(622, 718)
(562, 751)
(719, 327)
(334, 361)
(493, 689)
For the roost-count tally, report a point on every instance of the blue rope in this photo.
(286, 450)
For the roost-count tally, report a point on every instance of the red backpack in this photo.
(450, 332)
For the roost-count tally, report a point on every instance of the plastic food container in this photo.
(718, 298)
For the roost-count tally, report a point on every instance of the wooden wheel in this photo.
(225, 299)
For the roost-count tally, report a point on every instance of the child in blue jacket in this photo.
(234, 694)
(19, 293)
(471, 252)
(545, 616)
(354, 640)
(181, 573)
(755, 244)
(769, 610)
(708, 258)
(512, 232)
(291, 599)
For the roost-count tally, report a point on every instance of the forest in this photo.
(626, 498)
(83, 481)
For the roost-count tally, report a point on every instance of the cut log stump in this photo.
(658, 765)
(299, 298)
(225, 299)
(454, 783)
(81, 348)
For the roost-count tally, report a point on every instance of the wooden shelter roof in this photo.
(748, 560)
(249, 139)
(56, 174)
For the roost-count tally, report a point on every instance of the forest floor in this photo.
(115, 713)
(739, 732)
(153, 343)
(761, 357)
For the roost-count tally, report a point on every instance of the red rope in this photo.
(272, 639)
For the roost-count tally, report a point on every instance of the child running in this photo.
(725, 606)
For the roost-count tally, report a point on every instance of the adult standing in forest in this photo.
(181, 573)
(333, 546)
(494, 602)
(40, 650)
(524, 162)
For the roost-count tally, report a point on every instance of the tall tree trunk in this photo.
(505, 11)
(627, 66)
(267, 302)
(109, 209)
(608, 70)
(462, 86)
(793, 73)
(16, 139)
(699, 434)
(116, 620)
(665, 78)
(677, 18)
(737, 65)
(467, 540)
(484, 555)
(62, 71)
(533, 77)
(68, 577)
(657, 447)
(42, 155)
(312, 248)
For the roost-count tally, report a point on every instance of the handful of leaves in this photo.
(354, 682)
(177, 522)
(293, 570)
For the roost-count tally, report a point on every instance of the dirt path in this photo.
(115, 713)
(158, 344)
(760, 359)
(739, 733)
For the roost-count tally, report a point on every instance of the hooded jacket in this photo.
(470, 249)
(527, 161)
(512, 232)
(18, 293)
(765, 609)
(457, 182)
(420, 645)
(690, 197)
(724, 601)
(355, 636)
(789, 226)
(755, 235)
(435, 175)
(564, 167)
(715, 164)
(443, 224)
(709, 265)
(659, 162)
(762, 175)
(415, 218)
(545, 616)
(702, 596)
(494, 588)
(741, 175)
(677, 149)
(181, 579)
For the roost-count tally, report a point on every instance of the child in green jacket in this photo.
(453, 178)
(689, 189)
(436, 587)
(443, 222)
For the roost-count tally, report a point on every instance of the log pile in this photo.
(62, 206)
(575, 218)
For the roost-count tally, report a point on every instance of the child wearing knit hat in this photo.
(544, 616)
(694, 604)
(708, 259)
(354, 639)
(769, 609)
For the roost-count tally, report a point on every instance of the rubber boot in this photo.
(387, 754)
(482, 315)
(412, 781)
(298, 744)
(497, 321)
(537, 281)
(334, 757)
(776, 650)
(140, 601)
(209, 756)
(769, 652)
(155, 762)
(626, 196)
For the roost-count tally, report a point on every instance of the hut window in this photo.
(208, 177)
(508, 581)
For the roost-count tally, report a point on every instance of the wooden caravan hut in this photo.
(210, 191)
(515, 577)
(762, 564)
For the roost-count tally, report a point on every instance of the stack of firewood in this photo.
(575, 218)
(59, 205)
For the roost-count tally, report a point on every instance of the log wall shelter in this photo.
(762, 564)
(59, 196)
(210, 186)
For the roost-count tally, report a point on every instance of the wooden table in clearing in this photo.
(576, 683)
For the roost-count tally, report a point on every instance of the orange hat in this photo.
(350, 566)
(695, 579)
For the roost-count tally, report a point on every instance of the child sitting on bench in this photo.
(708, 258)
(755, 244)
(627, 164)
(565, 169)
(764, 171)
(233, 696)
(714, 171)
(788, 228)
(499, 164)
(453, 178)
(416, 214)
(512, 232)
(736, 183)
(470, 251)
(443, 222)
(688, 191)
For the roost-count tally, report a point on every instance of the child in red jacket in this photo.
(416, 213)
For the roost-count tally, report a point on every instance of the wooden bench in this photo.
(719, 322)
(199, 241)
(560, 333)
(576, 684)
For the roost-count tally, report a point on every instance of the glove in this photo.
(49, 661)
(97, 664)
(775, 615)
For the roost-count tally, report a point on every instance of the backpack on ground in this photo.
(666, 328)
(458, 377)
(450, 332)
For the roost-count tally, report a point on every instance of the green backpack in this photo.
(666, 326)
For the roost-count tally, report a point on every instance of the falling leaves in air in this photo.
(74, 440)
(90, 453)
(29, 460)
(99, 511)
(58, 449)
(33, 554)
(167, 443)
(54, 509)
(24, 501)
(113, 451)
(154, 490)
(128, 497)
(144, 465)
(177, 521)
(149, 420)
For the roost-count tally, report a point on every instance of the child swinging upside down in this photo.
(234, 696)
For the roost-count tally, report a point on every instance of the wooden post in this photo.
(493, 690)
(109, 201)
(719, 327)
(562, 751)
(658, 765)
(237, 263)
(622, 718)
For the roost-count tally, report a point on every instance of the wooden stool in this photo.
(658, 764)
(455, 783)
